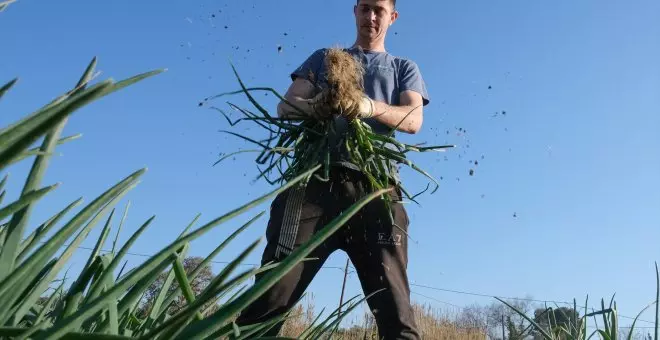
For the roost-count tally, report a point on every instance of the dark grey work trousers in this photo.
(377, 248)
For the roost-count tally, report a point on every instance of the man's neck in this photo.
(374, 46)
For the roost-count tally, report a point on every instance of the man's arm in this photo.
(391, 115)
(299, 94)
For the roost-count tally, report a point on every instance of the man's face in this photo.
(373, 18)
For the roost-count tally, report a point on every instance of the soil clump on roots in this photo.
(345, 83)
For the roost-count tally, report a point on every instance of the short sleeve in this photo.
(312, 65)
(410, 78)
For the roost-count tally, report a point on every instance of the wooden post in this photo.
(503, 329)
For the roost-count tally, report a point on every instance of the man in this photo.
(394, 92)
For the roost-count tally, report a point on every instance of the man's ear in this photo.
(394, 16)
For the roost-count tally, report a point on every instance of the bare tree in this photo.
(198, 284)
(473, 317)
(499, 316)
(636, 335)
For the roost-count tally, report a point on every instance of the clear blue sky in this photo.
(575, 158)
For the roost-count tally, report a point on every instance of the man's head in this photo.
(373, 18)
(392, 1)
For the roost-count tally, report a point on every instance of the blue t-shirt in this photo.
(385, 77)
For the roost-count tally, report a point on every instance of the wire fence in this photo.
(440, 289)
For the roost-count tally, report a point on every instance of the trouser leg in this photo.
(379, 252)
(287, 291)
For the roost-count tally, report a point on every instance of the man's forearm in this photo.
(392, 115)
(406, 118)
(285, 110)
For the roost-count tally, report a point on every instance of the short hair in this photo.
(392, 1)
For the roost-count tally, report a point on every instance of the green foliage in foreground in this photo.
(99, 302)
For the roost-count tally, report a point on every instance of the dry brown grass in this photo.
(432, 324)
(345, 82)
(301, 318)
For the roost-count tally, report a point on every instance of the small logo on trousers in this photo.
(386, 239)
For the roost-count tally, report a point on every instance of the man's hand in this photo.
(363, 108)
(297, 108)
(320, 107)
(366, 107)
(305, 102)
(299, 96)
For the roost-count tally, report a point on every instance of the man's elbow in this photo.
(284, 109)
(415, 124)
(412, 129)
(287, 107)
(280, 109)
